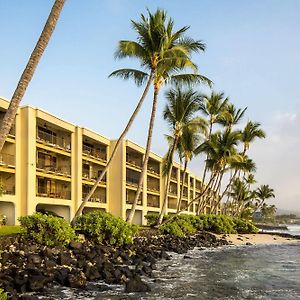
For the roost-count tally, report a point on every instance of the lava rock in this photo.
(135, 284)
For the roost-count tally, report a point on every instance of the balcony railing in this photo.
(53, 140)
(7, 159)
(183, 204)
(101, 155)
(153, 170)
(134, 163)
(8, 190)
(130, 201)
(58, 194)
(95, 198)
(93, 176)
(54, 169)
(153, 188)
(132, 181)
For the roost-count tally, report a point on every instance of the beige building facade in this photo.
(48, 164)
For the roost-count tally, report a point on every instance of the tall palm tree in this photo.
(162, 54)
(187, 144)
(179, 114)
(213, 108)
(168, 54)
(28, 72)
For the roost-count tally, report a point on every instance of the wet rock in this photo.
(37, 283)
(135, 284)
(77, 280)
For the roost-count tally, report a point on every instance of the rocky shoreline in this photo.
(28, 267)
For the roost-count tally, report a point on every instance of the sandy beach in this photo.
(257, 239)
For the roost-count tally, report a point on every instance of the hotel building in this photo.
(49, 164)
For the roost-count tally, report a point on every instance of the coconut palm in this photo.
(180, 115)
(166, 54)
(213, 108)
(263, 193)
(28, 72)
(231, 116)
(162, 53)
(187, 144)
(251, 132)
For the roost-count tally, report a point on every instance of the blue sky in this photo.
(252, 55)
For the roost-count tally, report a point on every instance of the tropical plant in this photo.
(47, 230)
(263, 193)
(163, 54)
(180, 115)
(103, 227)
(28, 72)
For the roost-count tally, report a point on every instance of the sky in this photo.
(252, 54)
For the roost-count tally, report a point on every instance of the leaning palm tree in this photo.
(187, 144)
(163, 54)
(168, 54)
(231, 116)
(28, 72)
(179, 114)
(213, 107)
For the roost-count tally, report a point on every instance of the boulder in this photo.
(77, 280)
(135, 284)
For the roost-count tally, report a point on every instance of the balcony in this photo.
(97, 153)
(152, 201)
(183, 205)
(58, 194)
(134, 159)
(12, 131)
(7, 189)
(54, 169)
(153, 167)
(7, 160)
(174, 174)
(52, 139)
(132, 178)
(99, 195)
(93, 175)
(198, 185)
(130, 195)
(153, 185)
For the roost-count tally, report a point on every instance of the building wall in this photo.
(56, 163)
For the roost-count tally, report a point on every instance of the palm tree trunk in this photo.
(118, 143)
(161, 215)
(28, 72)
(182, 185)
(145, 162)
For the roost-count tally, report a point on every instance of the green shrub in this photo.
(3, 295)
(47, 230)
(244, 226)
(103, 227)
(182, 225)
(152, 218)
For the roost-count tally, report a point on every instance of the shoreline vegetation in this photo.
(103, 247)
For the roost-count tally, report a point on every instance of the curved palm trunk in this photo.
(146, 158)
(164, 206)
(28, 72)
(118, 143)
(227, 187)
(182, 185)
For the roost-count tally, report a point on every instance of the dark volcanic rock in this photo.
(135, 284)
(77, 280)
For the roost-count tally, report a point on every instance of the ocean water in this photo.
(228, 273)
(292, 229)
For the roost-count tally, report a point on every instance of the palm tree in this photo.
(187, 144)
(231, 116)
(250, 133)
(28, 72)
(167, 54)
(213, 107)
(263, 193)
(162, 54)
(180, 115)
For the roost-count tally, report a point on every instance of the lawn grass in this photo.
(6, 229)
